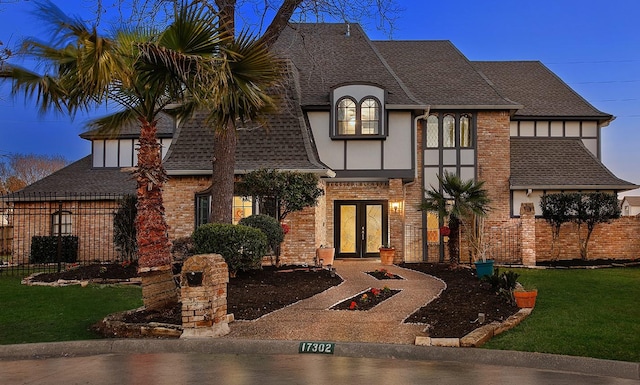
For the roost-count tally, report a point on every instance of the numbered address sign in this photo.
(317, 347)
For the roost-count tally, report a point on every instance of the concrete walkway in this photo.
(311, 319)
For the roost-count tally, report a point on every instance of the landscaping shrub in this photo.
(269, 226)
(124, 228)
(242, 247)
(44, 249)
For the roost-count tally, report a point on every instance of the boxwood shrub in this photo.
(242, 247)
(44, 249)
(269, 226)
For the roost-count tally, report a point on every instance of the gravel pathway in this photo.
(310, 319)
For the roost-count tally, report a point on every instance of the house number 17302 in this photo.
(317, 347)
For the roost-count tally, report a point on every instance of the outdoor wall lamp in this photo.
(395, 206)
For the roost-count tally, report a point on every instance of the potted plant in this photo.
(325, 255)
(387, 254)
(525, 298)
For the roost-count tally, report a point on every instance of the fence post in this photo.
(59, 250)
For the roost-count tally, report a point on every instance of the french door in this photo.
(360, 228)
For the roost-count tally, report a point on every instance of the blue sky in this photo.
(594, 46)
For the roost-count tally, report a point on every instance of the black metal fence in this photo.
(49, 232)
(505, 243)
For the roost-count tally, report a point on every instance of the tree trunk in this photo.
(454, 241)
(223, 175)
(154, 248)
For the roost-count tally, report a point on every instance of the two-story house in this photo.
(378, 121)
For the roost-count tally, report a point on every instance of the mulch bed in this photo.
(367, 300)
(455, 313)
(383, 274)
(253, 294)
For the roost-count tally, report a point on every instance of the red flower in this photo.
(285, 228)
(353, 305)
(375, 291)
(445, 231)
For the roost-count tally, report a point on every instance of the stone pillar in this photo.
(528, 234)
(203, 284)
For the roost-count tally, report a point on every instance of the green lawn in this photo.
(591, 313)
(45, 314)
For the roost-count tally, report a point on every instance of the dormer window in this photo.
(358, 118)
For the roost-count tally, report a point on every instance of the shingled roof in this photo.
(440, 75)
(558, 164)
(79, 178)
(282, 141)
(166, 126)
(329, 55)
(541, 92)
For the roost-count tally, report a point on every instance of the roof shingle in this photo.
(559, 163)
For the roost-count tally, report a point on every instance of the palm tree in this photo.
(464, 202)
(144, 71)
(241, 93)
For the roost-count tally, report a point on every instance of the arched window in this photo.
(347, 117)
(465, 131)
(449, 131)
(61, 223)
(370, 116)
(432, 131)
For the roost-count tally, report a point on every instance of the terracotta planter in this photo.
(326, 255)
(387, 255)
(525, 298)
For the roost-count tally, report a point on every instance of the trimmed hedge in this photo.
(242, 247)
(44, 249)
(269, 226)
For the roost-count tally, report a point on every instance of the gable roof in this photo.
(282, 141)
(327, 55)
(79, 178)
(632, 200)
(165, 126)
(440, 75)
(541, 92)
(559, 164)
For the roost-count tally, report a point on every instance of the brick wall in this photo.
(179, 202)
(615, 240)
(494, 163)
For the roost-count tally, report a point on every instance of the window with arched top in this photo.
(61, 223)
(448, 131)
(361, 119)
(465, 131)
(347, 116)
(432, 131)
(370, 116)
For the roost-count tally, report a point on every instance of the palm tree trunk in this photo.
(154, 248)
(454, 241)
(223, 175)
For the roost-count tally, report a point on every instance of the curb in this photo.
(539, 361)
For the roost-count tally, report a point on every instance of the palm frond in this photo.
(111, 125)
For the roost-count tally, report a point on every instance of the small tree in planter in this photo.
(556, 211)
(465, 203)
(591, 209)
(124, 228)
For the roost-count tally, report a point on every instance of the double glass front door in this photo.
(360, 228)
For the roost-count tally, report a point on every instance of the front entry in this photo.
(360, 228)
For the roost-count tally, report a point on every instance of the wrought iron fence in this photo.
(505, 243)
(49, 232)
